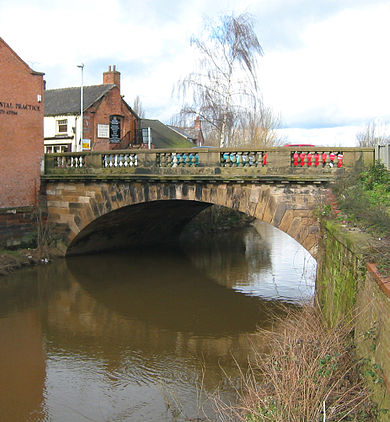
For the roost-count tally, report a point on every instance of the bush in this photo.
(310, 374)
(364, 199)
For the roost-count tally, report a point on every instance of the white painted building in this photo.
(62, 133)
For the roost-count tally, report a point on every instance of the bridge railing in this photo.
(277, 162)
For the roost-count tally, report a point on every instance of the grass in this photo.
(310, 374)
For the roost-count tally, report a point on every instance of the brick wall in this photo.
(18, 228)
(373, 333)
(21, 134)
(111, 104)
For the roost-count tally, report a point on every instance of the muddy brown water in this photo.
(143, 336)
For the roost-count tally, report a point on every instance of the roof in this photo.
(165, 137)
(188, 132)
(67, 100)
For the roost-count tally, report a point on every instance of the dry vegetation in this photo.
(310, 374)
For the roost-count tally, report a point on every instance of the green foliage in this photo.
(364, 199)
(376, 175)
(328, 365)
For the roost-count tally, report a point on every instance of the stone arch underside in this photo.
(83, 211)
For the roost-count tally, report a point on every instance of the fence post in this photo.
(382, 154)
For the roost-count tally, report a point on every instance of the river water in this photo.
(143, 336)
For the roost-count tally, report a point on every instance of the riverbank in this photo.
(310, 373)
(11, 260)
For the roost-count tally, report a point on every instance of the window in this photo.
(50, 149)
(62, 126)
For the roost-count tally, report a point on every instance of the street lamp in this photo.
(81, 66)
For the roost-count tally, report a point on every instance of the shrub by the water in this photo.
(309, 374)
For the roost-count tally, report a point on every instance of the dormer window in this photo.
(62, 126)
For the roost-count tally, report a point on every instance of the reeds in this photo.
(309, 374)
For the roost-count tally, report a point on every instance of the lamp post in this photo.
(81, 66)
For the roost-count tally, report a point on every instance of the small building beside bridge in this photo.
(163, 136)
(193, 134)
(109, 122)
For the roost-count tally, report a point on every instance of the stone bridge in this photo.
(114, 199)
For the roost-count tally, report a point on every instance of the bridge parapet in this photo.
(283, 163)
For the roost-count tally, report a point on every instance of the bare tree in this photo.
(225, 85)
(372, 136)
(257, 129)
(138, 108)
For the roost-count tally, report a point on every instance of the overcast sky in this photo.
(325, 69)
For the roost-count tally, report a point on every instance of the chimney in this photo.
(112, 77)
(197, 122)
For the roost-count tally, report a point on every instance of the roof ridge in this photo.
(78, 87)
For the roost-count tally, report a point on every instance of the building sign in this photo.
(103, 131)
(86, 145)
(115, 129)
(7, 107)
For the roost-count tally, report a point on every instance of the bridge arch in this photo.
(84, 210)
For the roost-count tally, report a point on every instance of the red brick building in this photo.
(109, 122)
(21, 130)
(21, 147)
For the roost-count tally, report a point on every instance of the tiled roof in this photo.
(188, 132)
(165, 137)
(67, 100)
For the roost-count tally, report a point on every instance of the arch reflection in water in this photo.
(259, 261)
(125, 333)
(135, 324)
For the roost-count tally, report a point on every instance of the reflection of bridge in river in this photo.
(101, 200)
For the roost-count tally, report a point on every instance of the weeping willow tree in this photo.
(223, 90)
(257, 129)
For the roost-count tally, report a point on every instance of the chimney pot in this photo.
(112, 77)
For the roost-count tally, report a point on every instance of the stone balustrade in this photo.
(278, 163)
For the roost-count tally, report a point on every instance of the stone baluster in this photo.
(174, 160)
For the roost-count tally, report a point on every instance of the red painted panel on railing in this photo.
(340, 158)
(309, 159)
(295, 158)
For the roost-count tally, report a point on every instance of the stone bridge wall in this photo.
(91, 192)
(347, 288)
(75, 208)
